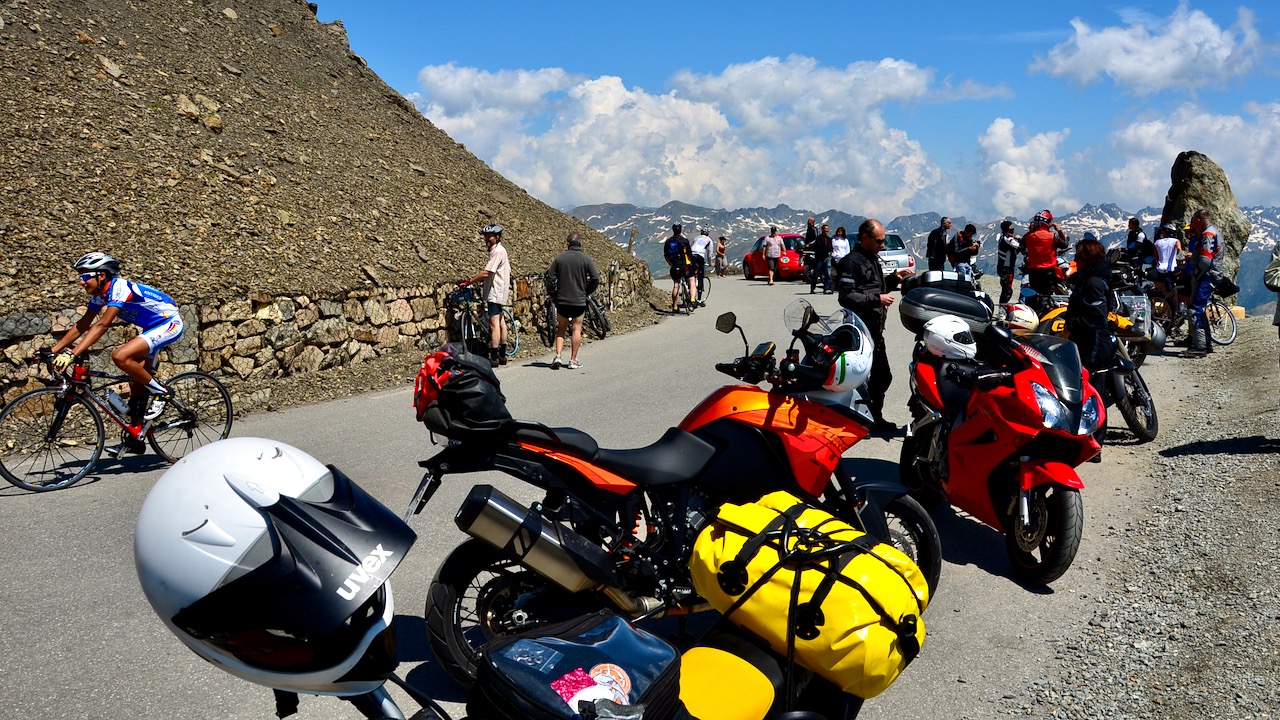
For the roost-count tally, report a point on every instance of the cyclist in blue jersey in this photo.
(679, 257)
(112, 297)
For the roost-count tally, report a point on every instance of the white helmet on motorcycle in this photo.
(1020, 317)
(851, 364)
(947, 336)
(273, 567)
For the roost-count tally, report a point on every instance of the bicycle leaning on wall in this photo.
(469, 326)
(51, 437)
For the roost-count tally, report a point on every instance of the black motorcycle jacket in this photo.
(861, 284)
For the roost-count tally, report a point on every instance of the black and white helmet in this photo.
(97, 262)
(273, 567)
(491, 229)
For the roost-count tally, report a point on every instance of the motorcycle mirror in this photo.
(726, 324)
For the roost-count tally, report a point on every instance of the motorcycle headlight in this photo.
(1054, 412)
(1090, 416)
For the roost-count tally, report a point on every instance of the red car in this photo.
(790, 265)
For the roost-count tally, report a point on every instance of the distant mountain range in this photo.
(743, 226)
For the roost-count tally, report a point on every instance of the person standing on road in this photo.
(1007, 260)
(1202, 252)
(700, 248)
(722, 260)
(574, 276)
(1041, 243)
(935, 247)
(1271, 278)
(679, 257)
(963, 247)
(496, 277)
(839, 247)
(772, 251)
(865, 289)
(822, 261)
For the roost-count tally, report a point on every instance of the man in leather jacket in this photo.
(1202, 251)
(864, 289)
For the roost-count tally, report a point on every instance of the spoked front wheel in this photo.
(1043, 549)
(595, 319)
(49, 440)
(1222, 324)
(513, 331)
(199, 413)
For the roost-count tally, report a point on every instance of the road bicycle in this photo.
(1168, 309)
(51, 437)
(471, 325)
(704, 288)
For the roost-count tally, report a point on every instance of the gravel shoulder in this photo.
(1187, 626)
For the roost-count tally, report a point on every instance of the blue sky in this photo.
(974, 109)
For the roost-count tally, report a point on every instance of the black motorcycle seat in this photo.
(676, 456)
(571, 439)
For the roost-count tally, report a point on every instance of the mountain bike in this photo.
(1169, 309)
(471, 325)
(51, 437)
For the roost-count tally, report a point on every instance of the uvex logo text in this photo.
(356, 580)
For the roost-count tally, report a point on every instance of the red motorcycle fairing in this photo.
(813, 435)
(927, 384)
(1050, 473)
(995, 427)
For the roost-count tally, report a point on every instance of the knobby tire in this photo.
(1135, 404)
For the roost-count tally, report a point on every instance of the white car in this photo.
(894, 256)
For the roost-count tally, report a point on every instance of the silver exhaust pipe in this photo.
(548, 548)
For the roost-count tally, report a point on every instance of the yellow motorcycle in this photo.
(1123, 385)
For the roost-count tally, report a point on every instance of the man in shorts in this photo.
(496, 276)
(155, 313)
(679, 256)
(772, 252)
(574, 276)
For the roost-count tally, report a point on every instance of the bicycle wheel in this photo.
(704, 289)
(686, 303)
(595, 319)
(198, 414)
(49, 440)
(1222, 324)
(513, 332)
(550, 321)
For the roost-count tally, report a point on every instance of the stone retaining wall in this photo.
(250, 341)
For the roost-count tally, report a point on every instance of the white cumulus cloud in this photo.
(760, 133)
(1188, 49)
(1246, 147)
(1023, 175)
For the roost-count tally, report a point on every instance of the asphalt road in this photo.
(78, 639)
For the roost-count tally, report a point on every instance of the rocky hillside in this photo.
(230, 148)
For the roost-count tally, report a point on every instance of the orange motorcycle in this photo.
(615, 528)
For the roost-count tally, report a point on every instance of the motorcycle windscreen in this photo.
(1061, 362)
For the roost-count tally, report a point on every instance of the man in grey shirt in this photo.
(573, 276)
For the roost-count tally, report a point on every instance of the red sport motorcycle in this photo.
(615, 528)
(1000, 437)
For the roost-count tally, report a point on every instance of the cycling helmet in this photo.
(677, 228)
(273, 567)
(1088, 235)
(97, 262)
(851, 364)
(491, 229)
(705, 231)
(947, 336)
(1020, 317)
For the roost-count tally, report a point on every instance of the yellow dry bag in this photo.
(819, 591)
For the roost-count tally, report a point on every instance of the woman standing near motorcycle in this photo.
(1091, 301)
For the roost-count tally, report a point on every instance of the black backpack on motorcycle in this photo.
(456, 393)
(574, 669)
